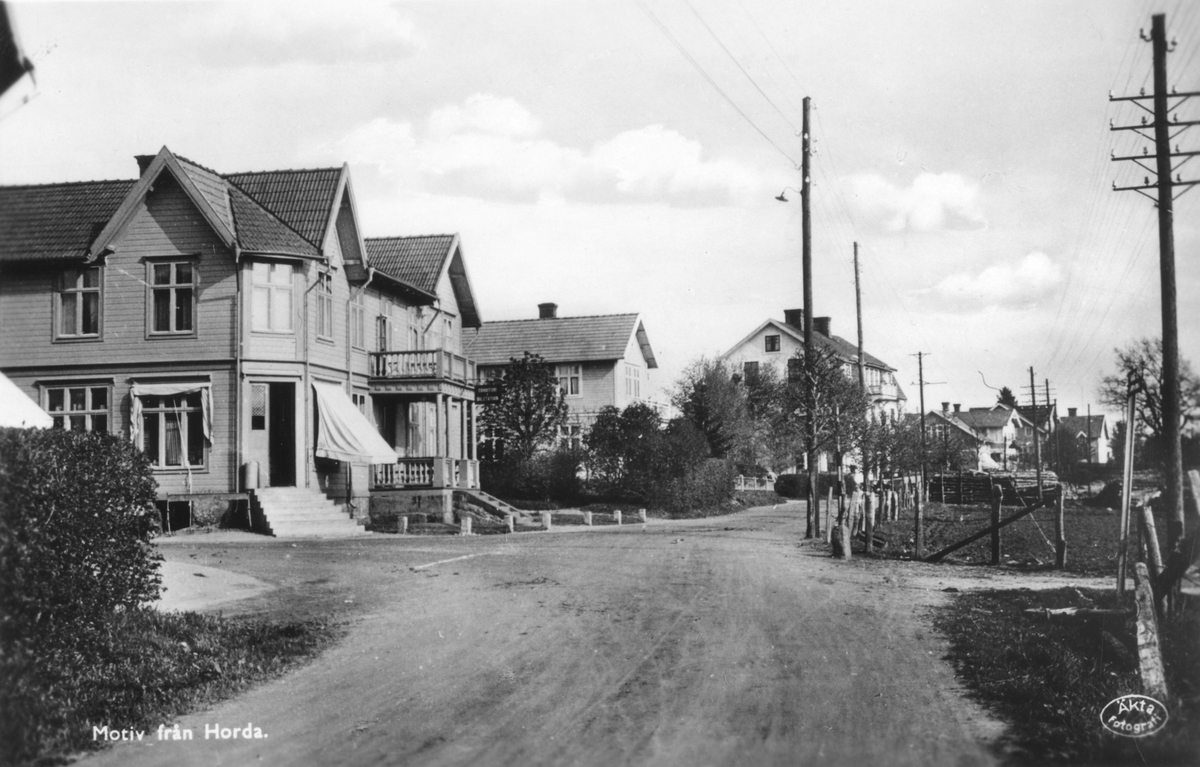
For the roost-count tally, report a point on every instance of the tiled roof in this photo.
(56, 221)
(838, 345)
(986, 417)
(415, 260)
(258, 230)
(302, 199)
(559, 339)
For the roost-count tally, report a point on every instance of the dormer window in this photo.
(79, 304)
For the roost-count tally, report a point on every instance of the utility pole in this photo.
(1163, 125)
(1089, 433)
(862, 370)
(813, 528)
(1052, 426)
(1037, 443)
(918, 532)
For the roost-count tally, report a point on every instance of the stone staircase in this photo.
(297, 512)
(493, 504)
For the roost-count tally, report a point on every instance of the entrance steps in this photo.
(297, 512)
(493, 504)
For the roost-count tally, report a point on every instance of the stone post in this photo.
(617, 516)
(546, 521)
(587, 518)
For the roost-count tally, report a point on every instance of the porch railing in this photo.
(435, 472)
(426, 363)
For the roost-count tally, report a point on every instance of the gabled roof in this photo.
(416, 260)
(845, 350)
(560, 339)
(994, 417)
(1078, 424)
(301, 199)
(260, 232)
(422, 261)
(56, 222)
(952, 419)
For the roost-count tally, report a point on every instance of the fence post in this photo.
(870, 521)
(997, 502)
(829, 521)
(464, 525)
(403, 525)
(1060, 548)
(1150, 665)
(642, 515)
(617, 516)
(918, 523)
(1151, 534)
(546, 520)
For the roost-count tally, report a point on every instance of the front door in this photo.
(272, 442)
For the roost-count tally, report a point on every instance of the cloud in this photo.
(492, 146)
(280, 33)
(934, 202)
(1019, 285)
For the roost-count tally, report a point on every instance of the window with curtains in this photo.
(79, 304)
(173, 430)
(325, 306)
(79, 408)
(272, 297)
(568, 379)
(173, 298)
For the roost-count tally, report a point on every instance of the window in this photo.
(633, 381)
(795, 368)
(258, 407)
(750, 369)
(79, 408)
(173, 290)
(568, 378)
(570, 436)
(325, 306)
(272, 310)
(771, 344)
(173, 431)
(358, 322)
(360, 402)
(79, 304)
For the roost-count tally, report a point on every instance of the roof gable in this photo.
(424, 261)
(841, 347)
(559, 339)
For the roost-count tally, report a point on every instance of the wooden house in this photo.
(600, 361)
(240, 329)
(1089, 430)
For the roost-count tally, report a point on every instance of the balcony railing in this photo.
(435, 472)
(424, 364)
(883, 390)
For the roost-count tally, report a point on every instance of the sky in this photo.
(618, 156)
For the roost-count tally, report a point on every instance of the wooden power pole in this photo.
(1164, 128)
(862, 370)
(813, 527)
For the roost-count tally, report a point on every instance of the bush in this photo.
(703, 489)
(796, 485)
(76, 518)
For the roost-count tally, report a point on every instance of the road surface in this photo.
(723, 641)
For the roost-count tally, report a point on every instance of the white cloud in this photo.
(486, 114)
(280, 33)
(1012, 285)
(492, 146)
(934, 202)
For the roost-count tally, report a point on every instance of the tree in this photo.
(709, 395)
(1142, 361)
(529, 409)
(1006, 398)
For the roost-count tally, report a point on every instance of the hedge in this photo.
(796, 485)
(76, 518)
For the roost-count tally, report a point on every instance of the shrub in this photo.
(796, 485)
(76, 517)
(703, 489)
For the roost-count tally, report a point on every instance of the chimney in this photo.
(945, 407)
(547, 311)
(1071, 411)
(143, 161)
(957, 407)
(821, 325)
(795, 318)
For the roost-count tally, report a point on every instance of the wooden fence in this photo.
(975, 488)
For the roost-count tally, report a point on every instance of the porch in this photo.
(424, 405)
(420, 473)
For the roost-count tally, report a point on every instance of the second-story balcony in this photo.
(423, 365)
(883, 391)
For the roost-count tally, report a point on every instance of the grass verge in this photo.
(1048, 678)
(146, 669)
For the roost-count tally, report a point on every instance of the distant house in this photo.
(1002, 428)
(945, 429)
(223, 323)
(773, 343)
(600, 361)
(1090, 430)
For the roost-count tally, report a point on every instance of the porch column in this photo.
(462, 429)
(474, 432)
(438, 428)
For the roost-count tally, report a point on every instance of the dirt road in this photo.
(710, 642)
